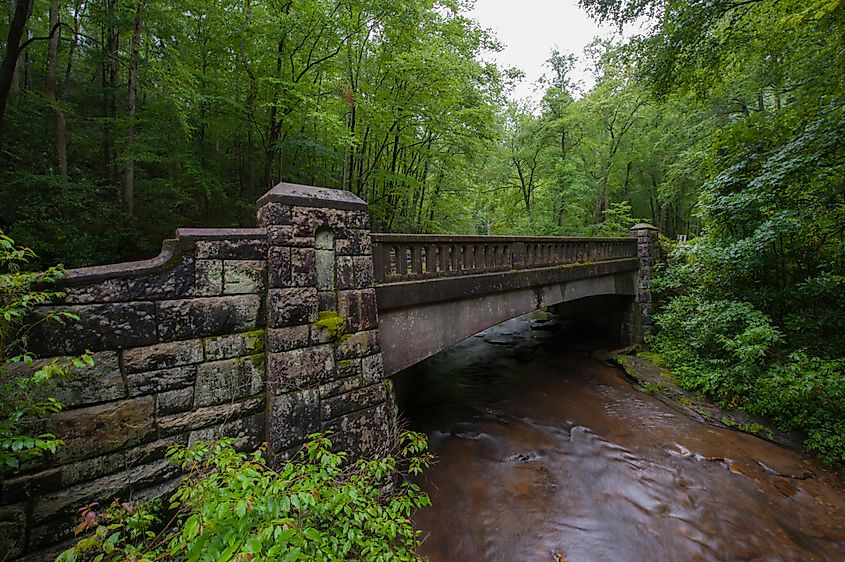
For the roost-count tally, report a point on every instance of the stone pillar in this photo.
(647, 250)
(324, 363)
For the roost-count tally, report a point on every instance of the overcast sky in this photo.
(529, 29)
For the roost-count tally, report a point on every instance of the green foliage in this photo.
(233, 507)
(617, 220)
(734, 353)
(24, 387)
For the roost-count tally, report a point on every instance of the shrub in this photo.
(733, 352)
(25, 389)
(233, 507)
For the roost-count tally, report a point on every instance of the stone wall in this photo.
(232, 332)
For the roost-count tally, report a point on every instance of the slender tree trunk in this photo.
(275, 128)
(71, 51)
(627, 181)
(601, 200)
(27, 68)
(51, 88)
(15, 74)
(8, 68)
(252, 94)
(112, 44)
(129, 169)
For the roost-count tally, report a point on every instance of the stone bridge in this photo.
(434, 291)
(273, 333)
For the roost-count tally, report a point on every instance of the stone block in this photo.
(42, 545)
(359, 308)
(100, 327)
(308, 219)
(209, 316)
(109, 290)
(67, 501)
(341, 386)
(162, 380)
(244, 276)
(274, 214)
(208, 278)
(83, 386)
(278, 267)
(345, 273)
(292, 418)
(364, 433)
(286, 236)
(162, 356)
(174, 401)
(203, 417)
(358, 242)
(104, 428)
(12, 530)
(96, 467)
(372, 368)
(300, 368)
(364, 274)
(234, 345)
(327, 300)
(244, 249)
(349, 368)
(325, 268)
(279, 235)
(285, 339)
(229, 380)
(21, 488)
(289, 307)
(357, 399)
(357, 344)
(303, 266)
(248, 432)
(173, 283)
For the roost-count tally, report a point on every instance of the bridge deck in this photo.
(404, 257)
(434, 291)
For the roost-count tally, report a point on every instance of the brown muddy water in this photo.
(547, 454)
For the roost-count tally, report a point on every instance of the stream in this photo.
(545, 453)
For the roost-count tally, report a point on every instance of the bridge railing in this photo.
(410, 257)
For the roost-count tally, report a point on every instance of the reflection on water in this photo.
(547, 454)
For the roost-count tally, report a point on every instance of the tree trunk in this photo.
(601, 200)
(111, 46)
(627, 181)
(51, 88)
(129, 170)
(15, 76)
(252, 94)
(23, 10)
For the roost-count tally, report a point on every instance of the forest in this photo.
(722, 123)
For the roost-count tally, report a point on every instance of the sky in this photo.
(529, 29)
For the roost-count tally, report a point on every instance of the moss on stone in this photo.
(255, 341)
(333, 323)
(653, 358)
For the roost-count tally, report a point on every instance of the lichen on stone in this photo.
(332, 323)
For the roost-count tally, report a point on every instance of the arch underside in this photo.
(413, 333)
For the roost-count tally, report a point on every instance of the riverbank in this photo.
(649, 376)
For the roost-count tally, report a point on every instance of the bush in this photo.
(25, 390)
(233, 507)
(731, 351)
